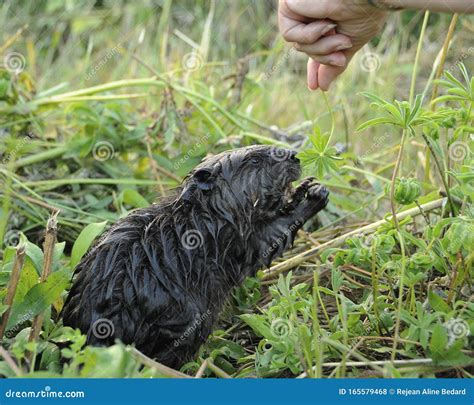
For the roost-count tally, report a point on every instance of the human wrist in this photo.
(386, 5)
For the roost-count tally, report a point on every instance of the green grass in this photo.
(113, 104)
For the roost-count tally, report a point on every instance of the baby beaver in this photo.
(159, 277)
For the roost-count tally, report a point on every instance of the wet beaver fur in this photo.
(159, 277)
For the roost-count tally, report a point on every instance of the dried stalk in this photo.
(48, 251)
(13, 283)
(165, 370)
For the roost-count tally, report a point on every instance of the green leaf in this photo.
(28, 279)
(36, 255)
(258, 325)
(134, 198)
(439, 341)
(374, 98)
(374, 122)
(39, 298)
(84, 241)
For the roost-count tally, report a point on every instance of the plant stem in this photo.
(331, 113)
(441, 174)
(444, 52)
(394, 177)
(400, 297)
(417, 57)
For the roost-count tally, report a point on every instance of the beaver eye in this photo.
(255, 161)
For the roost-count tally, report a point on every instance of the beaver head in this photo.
(251, 182)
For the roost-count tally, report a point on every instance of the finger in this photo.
(327, 74)
(308, 8)
(334, 59)
(312, 74)
(326, 45)
(296, 31)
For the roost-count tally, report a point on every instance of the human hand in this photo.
(330, 32)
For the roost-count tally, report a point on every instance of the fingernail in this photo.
(328, 28)
(342, 47)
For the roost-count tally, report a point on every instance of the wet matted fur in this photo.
(159, 277)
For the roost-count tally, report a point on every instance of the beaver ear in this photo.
(204, 179)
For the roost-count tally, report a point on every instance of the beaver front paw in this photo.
(318, 192)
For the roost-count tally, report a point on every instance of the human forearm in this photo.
(448, 6)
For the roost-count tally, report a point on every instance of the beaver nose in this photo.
(292, 156)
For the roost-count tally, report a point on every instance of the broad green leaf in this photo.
(258, 325)
(134, 198)
(39, 298)
(437, 303)
(28, 278)
(36, 255)
(84, 241)
(439, 341)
